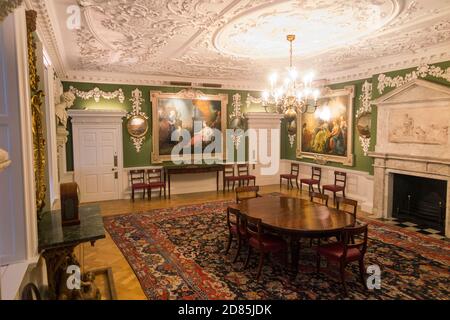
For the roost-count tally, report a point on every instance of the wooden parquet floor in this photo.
(105, 253)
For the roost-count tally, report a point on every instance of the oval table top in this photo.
(295, 215)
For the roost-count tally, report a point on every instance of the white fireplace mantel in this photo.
(413, 138)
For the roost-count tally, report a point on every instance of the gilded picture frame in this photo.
(333, 120)
(183, 108)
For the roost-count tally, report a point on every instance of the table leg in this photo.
(58, 261)
(168, 182)
(217, 181)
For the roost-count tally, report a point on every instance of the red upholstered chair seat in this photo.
(310, 181)
(247, 177)
(333, 188)
(139, 185)
(288, 176)
(232, 178)
(156, 185)
(270, 243)
(334, 251)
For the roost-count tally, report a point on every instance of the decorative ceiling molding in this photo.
(149, 41)
(47, 34)
(8, 6)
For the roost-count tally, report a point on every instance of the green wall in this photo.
(134, 159)
(362, 162)
(131, 157)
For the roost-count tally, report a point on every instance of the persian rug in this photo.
(178, 253)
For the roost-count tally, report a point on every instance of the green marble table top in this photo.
(52, 234)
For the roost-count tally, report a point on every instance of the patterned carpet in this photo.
(178, 253)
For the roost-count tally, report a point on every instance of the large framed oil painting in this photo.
(327, 134)
(187, 111)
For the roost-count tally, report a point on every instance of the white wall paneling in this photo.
(359, 183)
(18, 225)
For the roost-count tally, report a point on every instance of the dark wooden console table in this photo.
(57, 243)
(193, 169)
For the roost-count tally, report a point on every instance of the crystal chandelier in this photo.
(292, 97)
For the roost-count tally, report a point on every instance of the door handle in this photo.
(116, 161)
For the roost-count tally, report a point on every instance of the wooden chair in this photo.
(236, 230)
(344, 252)
(228, 176)
(262, 242)
(295, 170)
(342, 204)
(253, 190)
(155, 180)
(244, 174)
(316, 176)
(137, 178)
(319, 198)
(340, 182)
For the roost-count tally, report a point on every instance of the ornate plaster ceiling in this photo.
(239, 42)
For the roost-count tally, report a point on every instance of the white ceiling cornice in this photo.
(47, 35)
(174, 40)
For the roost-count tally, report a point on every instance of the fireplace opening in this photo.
(420, 200)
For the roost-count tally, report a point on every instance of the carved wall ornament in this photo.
(253, 100)
(413, 126)
(37, 98)
(364, 117)
(66, 102)
(96, 94)
(422, 71)
(237, 120)
(137, 124)
(4, 160)
(8, 6)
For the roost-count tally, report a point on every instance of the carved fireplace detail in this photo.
(413, 138)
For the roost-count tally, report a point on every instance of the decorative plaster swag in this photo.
(8, 6)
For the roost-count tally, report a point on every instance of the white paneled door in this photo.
(96, 160)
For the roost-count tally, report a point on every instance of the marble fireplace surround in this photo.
(413, 138)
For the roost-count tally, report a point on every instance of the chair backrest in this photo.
(316, 173)
(253, 227)
(233, 217)
(342, 204)
(137, 176)
(253, 190)
(154, 175)
(355, 237)
(295, 169)
(340, 178)
(228, 170)
(243, 169)
(314, 196)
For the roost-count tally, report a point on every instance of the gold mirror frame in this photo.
(132, 132)
(362, 131)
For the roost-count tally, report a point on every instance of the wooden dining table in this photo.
(296, 218)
